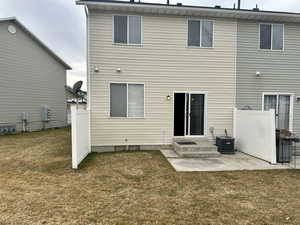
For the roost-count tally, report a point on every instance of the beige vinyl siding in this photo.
(30, 77)
(279, 70)
(164, 64)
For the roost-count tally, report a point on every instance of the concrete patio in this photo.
(238, 161)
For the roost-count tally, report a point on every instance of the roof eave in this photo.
(61, 61)
(193, 11)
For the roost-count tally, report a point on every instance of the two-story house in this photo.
(32, 92)
(159, 71)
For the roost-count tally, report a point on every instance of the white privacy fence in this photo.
(254, 132)
(80, 134)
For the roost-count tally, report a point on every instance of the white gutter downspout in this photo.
(88, 76)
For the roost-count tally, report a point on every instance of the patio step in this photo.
(202, 148)
(200, 154)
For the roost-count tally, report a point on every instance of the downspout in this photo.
(88, 77)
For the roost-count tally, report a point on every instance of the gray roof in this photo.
(189, 10)
(14, 20)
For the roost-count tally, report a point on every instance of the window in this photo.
(271, 36)
(200, 33)
(127, 29)
(126, 100)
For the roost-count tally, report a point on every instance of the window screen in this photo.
(118, 100)
(120, 29)
(270, 102)
(193, 33)
(134, 29)
(284, 112)
(277, 43)
(135, 100)
(265, 36)
(207, 34)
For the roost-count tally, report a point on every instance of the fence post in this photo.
(234, 122)
(273, 136)
(74, 135)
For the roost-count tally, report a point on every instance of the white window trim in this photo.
(283, 38)
(113, 31)
(200, 46)
(125, 117)
(277, 99)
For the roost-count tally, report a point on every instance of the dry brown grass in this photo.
(37, 186)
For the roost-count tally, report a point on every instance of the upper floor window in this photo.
(271, 36)
(127, 29)
(200, 33)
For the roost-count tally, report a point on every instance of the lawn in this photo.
(37, 186)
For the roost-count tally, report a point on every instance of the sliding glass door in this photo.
(281, 103)
(189, 114)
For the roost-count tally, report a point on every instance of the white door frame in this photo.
(205, 113)
(277, 99)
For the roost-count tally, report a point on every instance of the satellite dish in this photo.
(77, 86)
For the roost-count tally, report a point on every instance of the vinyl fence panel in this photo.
(254, 133)
(80, 135)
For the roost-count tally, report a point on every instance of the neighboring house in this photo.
(32, 92)
(74, 98)
(158, 71)
(268, 68)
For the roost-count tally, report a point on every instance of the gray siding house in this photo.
(33, 78)
(268, 68)
(158, 72)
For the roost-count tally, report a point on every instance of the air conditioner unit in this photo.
(7, 129)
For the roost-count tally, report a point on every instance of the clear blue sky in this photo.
(61, 23)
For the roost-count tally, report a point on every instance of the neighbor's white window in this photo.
(128, 29)
(200, 33)
(271, 36)
(126, 100)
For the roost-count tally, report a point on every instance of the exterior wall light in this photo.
(118, 70)
(168, 97)
(96, 69)
(298, 99)
(258, 74)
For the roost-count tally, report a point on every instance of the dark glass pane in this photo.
(193, 33)
(120, 29)
(179, 114)
(118, 100)
(265, 36)
(187, 114)
(197, 114)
